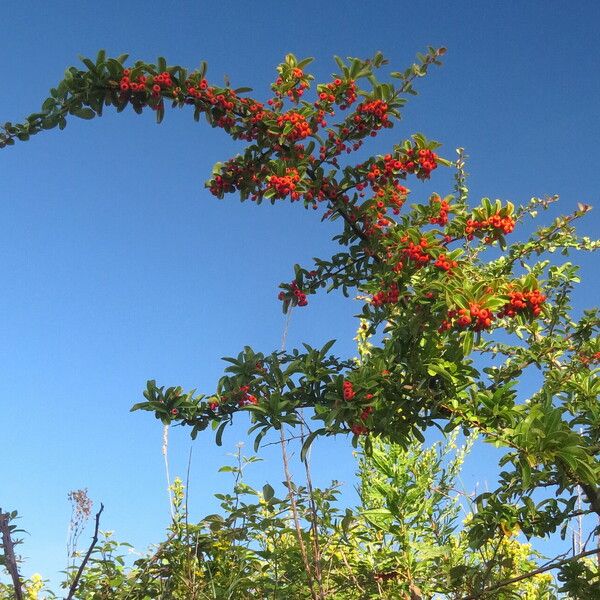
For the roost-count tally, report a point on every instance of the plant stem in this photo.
(549, 567)
(75, 583)
(9, 554)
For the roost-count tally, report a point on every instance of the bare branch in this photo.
(313, 519)
(9, 553)
(549, 567)
(292, 497)
(75, 583)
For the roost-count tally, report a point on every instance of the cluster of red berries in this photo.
(293, 86)
(395, 197)
(135, 86)
(349, 93)
(371, 226)
(300, 296)
(383, 171)
(494, 223)
(389, 296)
(374, 173)
(388, 190)
(378, 208)
(294, 90)
(372, 115)
(285, 185)
(520, 302)
(338, 144)
(245, 398)
(300, 127)
(589, 359)
(219, 186)
(366, 413)
(348, 390)
(325, 97)
(475, 318)
(398, 266)
(443, 210)
(257, 112)
(343, 93)
(421, 162)
(389, 193)
(357, 429)
(237, 174)
(158, 82)
(361, 427)
(478, 318)
(226, 101)
(392, 165)
(377, 108)
(417, 252)
(328, 190)
(198, 89)
(444, 263)
(163, 79)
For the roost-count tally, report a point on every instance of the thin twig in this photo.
(292, 497)
(75, 583)
(287, 439)
(351, 572)
(490, 562)
(288, 479)
(165, 453)
(506, 582)
(9, 554)
(187, 525)
(187, 487)
(314, 517)
(286, 327)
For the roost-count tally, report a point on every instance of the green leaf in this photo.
(268, 492)
(219, 434)
(257, 440)
(307, 443)
(84, 113)
(380, 518)
(340, 62)
(467, 344)
(460, 301)
(89, 64)
(305, 62)
(325, 349)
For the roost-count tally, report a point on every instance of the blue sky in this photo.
(118, 266)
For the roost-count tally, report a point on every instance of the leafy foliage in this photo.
(405, 538)
(460, 312)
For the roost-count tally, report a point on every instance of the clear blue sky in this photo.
(118, 266)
